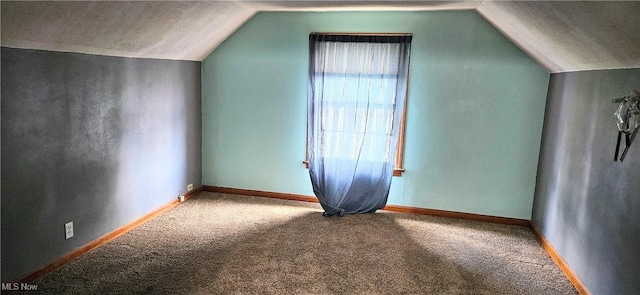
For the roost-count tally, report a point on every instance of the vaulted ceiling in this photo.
(561, 36)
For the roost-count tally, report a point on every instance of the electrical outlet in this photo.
(189, 186)
(68, 230)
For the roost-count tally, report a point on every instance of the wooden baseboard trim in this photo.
(53, 265)
(192, 193)
(246, 192)
(457, 215)
(394, 208)
(577, 283)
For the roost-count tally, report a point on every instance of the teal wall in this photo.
(474, 119)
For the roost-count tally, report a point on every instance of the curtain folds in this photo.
(357, 85)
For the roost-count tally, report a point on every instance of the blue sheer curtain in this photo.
(357, 85)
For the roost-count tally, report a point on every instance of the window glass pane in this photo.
(356, 87)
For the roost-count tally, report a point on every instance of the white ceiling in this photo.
(561, 36)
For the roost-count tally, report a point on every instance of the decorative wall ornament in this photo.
(627, 117)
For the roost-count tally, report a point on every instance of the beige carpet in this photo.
(227, 244)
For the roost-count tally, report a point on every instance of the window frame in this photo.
(399, 159)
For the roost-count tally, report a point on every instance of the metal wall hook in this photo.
(632, 98)
(632, 104)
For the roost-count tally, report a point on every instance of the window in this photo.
(363, 79)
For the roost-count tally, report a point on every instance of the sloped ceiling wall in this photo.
(165, 30)
(571, 36)
(562, 36)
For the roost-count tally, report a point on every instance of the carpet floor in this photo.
(227, 244)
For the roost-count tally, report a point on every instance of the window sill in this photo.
(396, 171)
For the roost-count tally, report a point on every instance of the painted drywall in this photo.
(474, 117)
(586, 205)
(100, 141)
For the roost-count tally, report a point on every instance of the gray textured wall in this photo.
(96, 140)
(587, 205)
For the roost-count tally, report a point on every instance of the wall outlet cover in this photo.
(68, 230)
